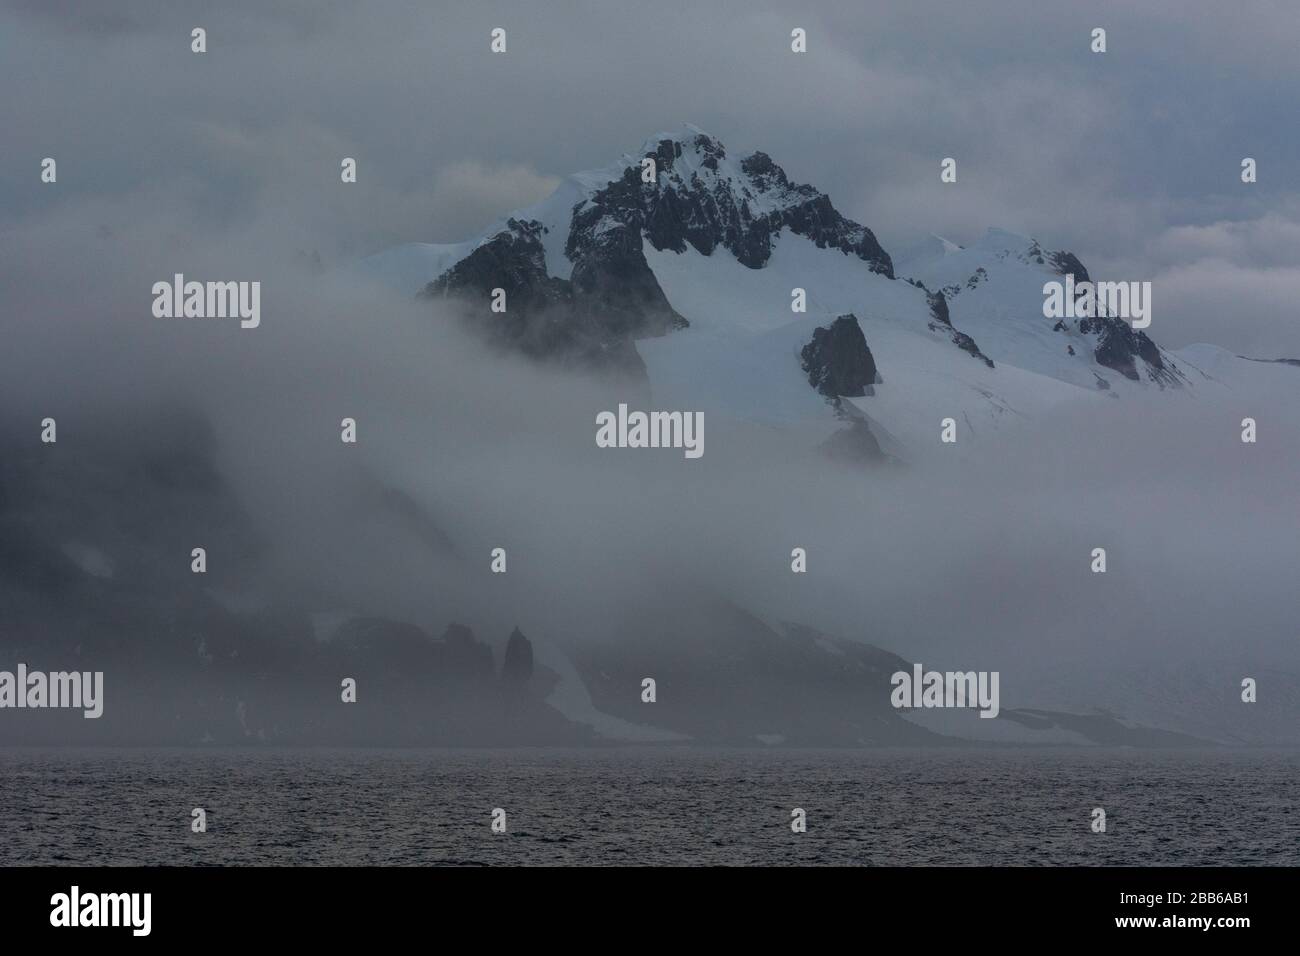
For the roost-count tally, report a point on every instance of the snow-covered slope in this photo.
(741, 354)
(1217, 372)
(994, 291)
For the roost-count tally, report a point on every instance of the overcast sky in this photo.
(1130, 158)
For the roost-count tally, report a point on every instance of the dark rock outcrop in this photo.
(839, 365)
(590, 320)
(681, 209)
(838, 361)
(939, 312)
(938, 307)
(512, 260)
(1119, 347)
(967, 344)
(517, 665)
(1067, 263)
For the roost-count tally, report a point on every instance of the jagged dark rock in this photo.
(838, 361)
(517, 665)
(1120, 345)
(613, 281)
(967, 344)
(512, 260)
(676, 211)
(939, 312)
(1066, 263)
(938, 307)
(839, 365)
(590, 320)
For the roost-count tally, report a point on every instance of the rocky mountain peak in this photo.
(700, 198)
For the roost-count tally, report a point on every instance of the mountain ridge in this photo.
(683, 266)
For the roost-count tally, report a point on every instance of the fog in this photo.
(982, 563)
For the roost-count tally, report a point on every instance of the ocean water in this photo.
(648, 806)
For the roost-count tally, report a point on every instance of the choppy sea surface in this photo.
(648, 806)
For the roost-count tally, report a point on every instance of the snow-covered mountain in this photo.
(689, 276)
(994, 292)
(688, 281)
